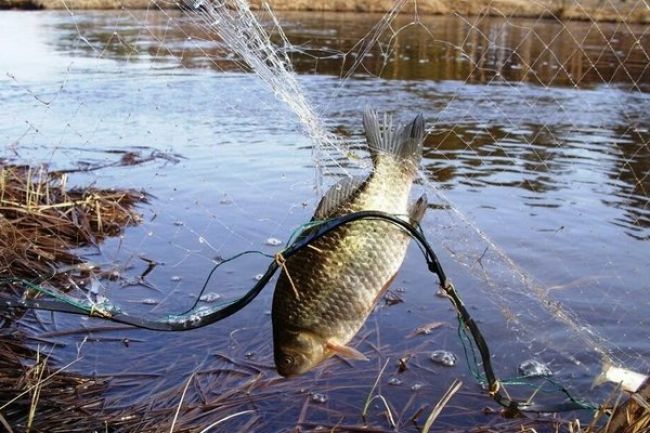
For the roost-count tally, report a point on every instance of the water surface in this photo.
(538, 138)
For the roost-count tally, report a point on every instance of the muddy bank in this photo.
(615, 10)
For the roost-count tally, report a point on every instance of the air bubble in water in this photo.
(274, 242)
(394, 381)
(318, 398)
(416, 386)
(259, 277)
(534, 368)
(444, 357)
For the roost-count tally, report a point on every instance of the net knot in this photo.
(282, 262)
(98, 311)
(494, 388)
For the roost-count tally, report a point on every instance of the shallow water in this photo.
(539, 135)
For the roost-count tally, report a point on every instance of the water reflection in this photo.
(543, 159)
(533, 160)
(472, 49)
(505, 142)
(631, 180)
(482, 49)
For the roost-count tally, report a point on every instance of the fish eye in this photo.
(288, 360)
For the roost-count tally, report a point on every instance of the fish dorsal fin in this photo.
(417, 209)
(338, 194)
(345, 351)
(404, 142)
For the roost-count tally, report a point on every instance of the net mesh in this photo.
(536, 165)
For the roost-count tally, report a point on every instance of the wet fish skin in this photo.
(340, 277)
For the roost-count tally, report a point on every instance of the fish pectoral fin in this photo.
(345, 351)
(417, 209)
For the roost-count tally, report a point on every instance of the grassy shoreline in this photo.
(589, 10)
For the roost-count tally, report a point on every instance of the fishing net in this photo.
(235, 121)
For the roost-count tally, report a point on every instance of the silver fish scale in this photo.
(341, 277)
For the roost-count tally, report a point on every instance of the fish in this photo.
(327, 290)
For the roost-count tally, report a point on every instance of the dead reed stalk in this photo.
(41, 222)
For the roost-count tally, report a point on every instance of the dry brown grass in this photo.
(41, 220)
(36, 398)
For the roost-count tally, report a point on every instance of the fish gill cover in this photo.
(536, 164)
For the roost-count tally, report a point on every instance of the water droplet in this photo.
(443, 357)
(249, 355)
(394, 381)
(318, 398)
(534, 368)
(179, 223)
(273, 242)
(416, 386)
(209, 297)
(201, 240)
(175, 278)
(259, 277)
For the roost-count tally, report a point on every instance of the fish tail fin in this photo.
(417, 209)
(403, 142)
